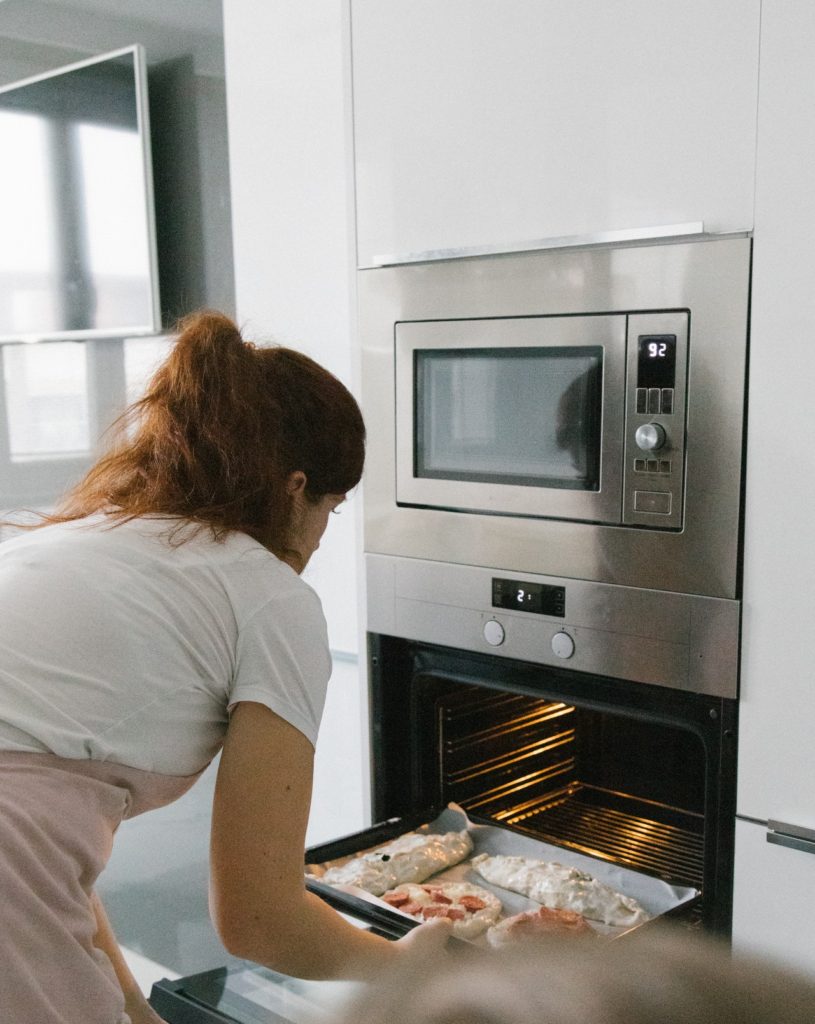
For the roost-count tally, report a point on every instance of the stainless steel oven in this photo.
(552, 546)
(571, 413)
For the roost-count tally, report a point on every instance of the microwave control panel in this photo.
(656, 402)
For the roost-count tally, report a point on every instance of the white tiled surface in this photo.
(155, 885)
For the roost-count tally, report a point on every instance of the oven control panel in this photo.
(681, 641)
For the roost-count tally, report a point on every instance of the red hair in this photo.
(222, 425)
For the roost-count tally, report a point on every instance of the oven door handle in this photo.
(793, 836)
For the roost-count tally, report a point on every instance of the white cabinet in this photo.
(774, 899)
(776, 749)
(483, 123)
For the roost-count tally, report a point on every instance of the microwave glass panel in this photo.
(524, 416)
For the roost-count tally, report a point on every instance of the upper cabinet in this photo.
(482, 123)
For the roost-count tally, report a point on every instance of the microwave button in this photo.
(667, 400)
(640, 465)
(494, 632)
(654, 395)
(665, 466)
(650, 437)
(658, 502)
(642, 400)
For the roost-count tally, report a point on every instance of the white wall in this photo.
(292, 213)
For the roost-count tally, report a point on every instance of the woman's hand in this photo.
(428, 940)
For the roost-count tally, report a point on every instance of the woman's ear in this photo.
(296, 482)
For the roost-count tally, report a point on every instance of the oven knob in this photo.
(563, 645)
(494, 632)
(650, 437)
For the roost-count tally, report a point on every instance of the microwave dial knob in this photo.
(650, 437)
(494, 632)
(562, 645)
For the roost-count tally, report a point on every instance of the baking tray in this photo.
(657, 897)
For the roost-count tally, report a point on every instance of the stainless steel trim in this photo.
(793, 836)
(679, 641)
(664, 231)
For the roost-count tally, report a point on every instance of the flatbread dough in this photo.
(412, 857)
(471, 908)
(560, 887)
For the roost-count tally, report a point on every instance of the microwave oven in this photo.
(574, 413)
(577, 417)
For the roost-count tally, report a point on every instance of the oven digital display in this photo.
(540, 598)
(656, 364)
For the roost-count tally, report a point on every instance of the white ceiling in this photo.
(168, 29)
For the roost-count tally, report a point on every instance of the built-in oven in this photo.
(552, 547)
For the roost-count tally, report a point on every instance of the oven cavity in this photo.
(635, 775)
(589, 781)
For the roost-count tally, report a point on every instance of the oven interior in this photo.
(635, 775)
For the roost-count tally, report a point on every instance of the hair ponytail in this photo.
(217, 433)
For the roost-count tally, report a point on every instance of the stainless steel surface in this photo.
(708, 278)
(793, 836)
(681, 641)
(663, 231)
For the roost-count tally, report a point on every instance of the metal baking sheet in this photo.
(654, 895)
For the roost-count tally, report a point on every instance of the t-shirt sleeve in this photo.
(283, 660)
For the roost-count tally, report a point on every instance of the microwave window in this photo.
(523, 416)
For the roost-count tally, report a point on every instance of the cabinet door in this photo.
(776, 762)
(773, 899)
(481, 123)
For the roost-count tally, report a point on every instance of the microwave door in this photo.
(512, 416)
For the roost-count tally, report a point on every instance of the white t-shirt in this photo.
(118, 645)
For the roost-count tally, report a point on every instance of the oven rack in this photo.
(642, 835)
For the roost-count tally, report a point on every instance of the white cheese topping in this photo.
(561, 888)
(412, 857)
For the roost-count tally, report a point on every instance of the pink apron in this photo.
(57, 821)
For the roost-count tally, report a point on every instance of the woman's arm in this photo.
(136, 1004)
(258, 900)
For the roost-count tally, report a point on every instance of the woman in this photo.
(156, 618)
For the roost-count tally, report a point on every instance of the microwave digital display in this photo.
(656, 362)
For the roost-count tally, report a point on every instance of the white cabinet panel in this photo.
(773, 899)
(776, 762)
(479, 122)
(290, 172)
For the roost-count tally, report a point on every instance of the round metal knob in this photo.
(563, 645)
(650, 437)
(494, 632)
